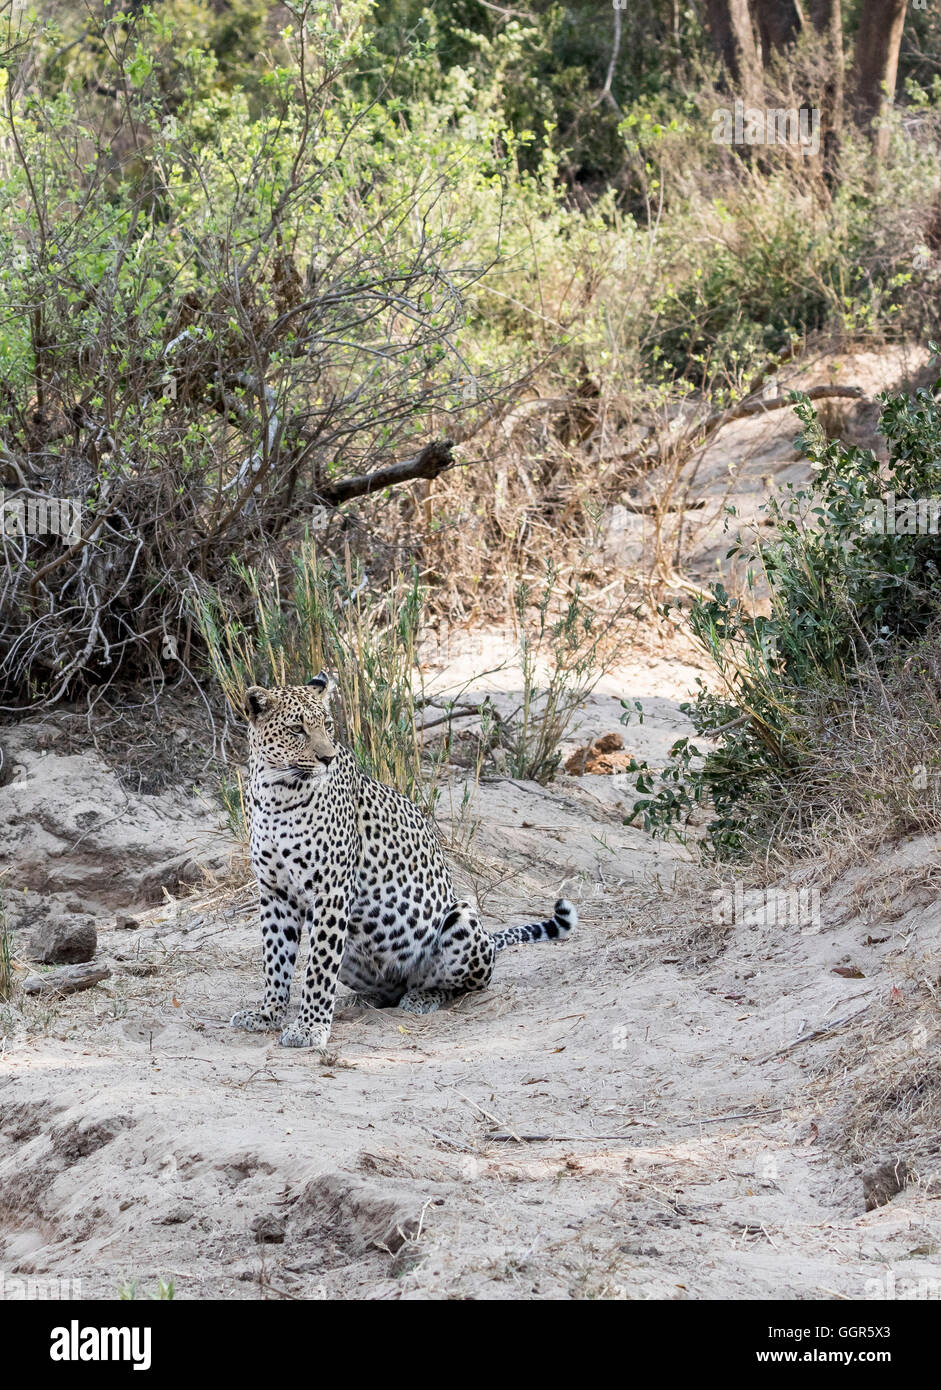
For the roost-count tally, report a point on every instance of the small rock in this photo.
(69, 980)
(596, 758)
(268, 1229)
(64, 940)
(176, 1216)
(124, 923)
(885, 1182)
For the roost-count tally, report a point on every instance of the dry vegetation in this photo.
(439, 369)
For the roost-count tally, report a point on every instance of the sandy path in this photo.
(141, 1140)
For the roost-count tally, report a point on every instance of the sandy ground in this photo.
(627, 1115)
(679, 1102)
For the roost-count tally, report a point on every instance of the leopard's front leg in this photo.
(281, 918)
(327, 920)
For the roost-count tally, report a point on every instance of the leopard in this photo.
(361, 869)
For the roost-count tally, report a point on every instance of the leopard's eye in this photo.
(297, 729)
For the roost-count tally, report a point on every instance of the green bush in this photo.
(846, 594)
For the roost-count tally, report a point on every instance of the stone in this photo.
(268, 1229)
(66, 939)
(176, 1216)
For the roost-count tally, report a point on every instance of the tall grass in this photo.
(327, 617)
(7, 975)
(6, 958)
(561, 663)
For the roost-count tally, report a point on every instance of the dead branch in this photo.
(429, 462)
(695, 438)
(461, 709)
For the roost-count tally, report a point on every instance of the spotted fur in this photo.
(358, 865)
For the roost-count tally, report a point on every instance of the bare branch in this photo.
(435, 458)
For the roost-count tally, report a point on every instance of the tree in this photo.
(747, 33)
(827, 18)
(218, 328)
(876, 62)
(779, 23)
(730, 25)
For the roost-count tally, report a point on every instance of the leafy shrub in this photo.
(846, 594)
(218, 306)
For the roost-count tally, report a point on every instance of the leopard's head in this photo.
(290, 731)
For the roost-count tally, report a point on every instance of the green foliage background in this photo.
(248, 250)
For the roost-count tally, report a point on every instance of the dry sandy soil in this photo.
(672, 1104)
(625, 1115)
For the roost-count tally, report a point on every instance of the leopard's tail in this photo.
(562, 922)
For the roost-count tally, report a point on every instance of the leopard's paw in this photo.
(300, 1035)
(417, 1002)
(255, 1020)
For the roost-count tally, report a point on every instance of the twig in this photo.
(486, 1113)
(727, 728)
(507, 13)
(505, 1136)
(716, 1119)
(745, 408)
(450, 1143)
(809, 1037)
(606, 94)
(461, 711)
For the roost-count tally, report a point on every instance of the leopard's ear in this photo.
(256, 702)
(325, 685)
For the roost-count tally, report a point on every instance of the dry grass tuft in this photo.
(870, 758)
(890, 1102)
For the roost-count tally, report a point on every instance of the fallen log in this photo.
(694, 438)
(70, 979)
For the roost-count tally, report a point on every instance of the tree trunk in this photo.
(779, 23)
(877, 62)
(733, 37)
(827, 18)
